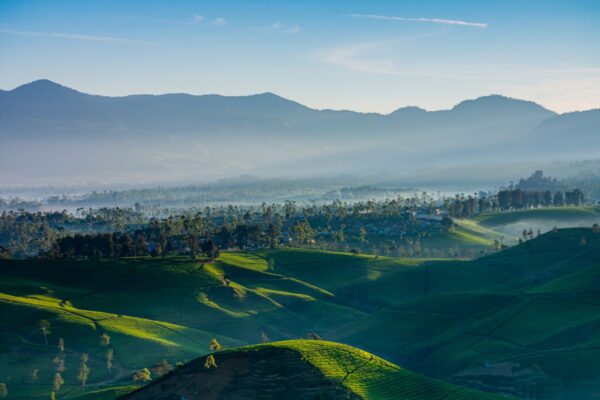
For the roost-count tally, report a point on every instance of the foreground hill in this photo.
(518, 322)
(300, 369)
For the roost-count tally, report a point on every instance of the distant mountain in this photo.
(575, 131)
(50, 131)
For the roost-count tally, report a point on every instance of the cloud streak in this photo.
(72, 36)
(279, 27)
(481, 25)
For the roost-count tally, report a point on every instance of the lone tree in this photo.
(142, 376)
(162, 368)
(110, 353)
(84, 370)
(59, 363)
(61, 345)
(210, 362)
(45, 328)
(58, 382)
(264, 338)
(214, 345)
(104, 340)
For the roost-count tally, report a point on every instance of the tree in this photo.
(264, 338)
(58, 382)
(362, 235)
(61, 345)
(5, 253)
(104, 340)
(193, 244)
(210, 362)
(142, 376)
(162, 368)
(209, 247)
(3, 391)
(59, 363)
(109, 358)
(84, 370)
(274, 232)
(45, 328)
(214, 345)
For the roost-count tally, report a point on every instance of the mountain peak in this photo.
(44, 88)
(500, 102)
(409, 110)
(41, 84)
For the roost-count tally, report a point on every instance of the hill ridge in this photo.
(298, 369)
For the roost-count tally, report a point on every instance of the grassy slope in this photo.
(439, 317)
(362, 373)
(152, 309)
(550, 213)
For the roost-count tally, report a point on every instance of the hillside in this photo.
(504, 323)
(300, 369)
(542, 219)
(183, 137)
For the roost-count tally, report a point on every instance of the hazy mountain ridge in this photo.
(182, 136)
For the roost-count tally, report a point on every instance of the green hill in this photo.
(543, 219)
(300, 369)
(522, 318)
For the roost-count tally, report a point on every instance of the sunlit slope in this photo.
(152, 309)
(544, 219)
(299, 369)
(529, 308)
(529, 315)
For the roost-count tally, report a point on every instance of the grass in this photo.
(534, 303)
(548, 213)
(362, 374)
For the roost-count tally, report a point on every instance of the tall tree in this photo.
(45, 328)
(84, 370)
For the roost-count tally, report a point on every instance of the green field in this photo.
(528, 315)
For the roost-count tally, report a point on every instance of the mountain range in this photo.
(50, 132)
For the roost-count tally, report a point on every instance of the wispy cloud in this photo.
(219, 21)
(201, 19)
(429, 20)
(72, 36)
(278, 26)
(373, 58)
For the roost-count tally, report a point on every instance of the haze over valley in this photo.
(277, 200)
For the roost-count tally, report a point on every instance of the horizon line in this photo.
(298, 102)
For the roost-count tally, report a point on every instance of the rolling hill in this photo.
(300, 369)
(520, 321)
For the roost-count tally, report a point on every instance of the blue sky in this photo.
(360, 55)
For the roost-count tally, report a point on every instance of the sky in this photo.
(370, 56)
